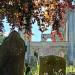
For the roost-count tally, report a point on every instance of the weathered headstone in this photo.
(52, 65)
(12, 54)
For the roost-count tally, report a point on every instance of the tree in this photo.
(12, 53)
(20, 13)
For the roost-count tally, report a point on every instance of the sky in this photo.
(6, 27)
(35, 30)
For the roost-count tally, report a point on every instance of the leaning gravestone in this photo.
(12, 52)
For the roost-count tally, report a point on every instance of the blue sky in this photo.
(35, 31)
(6, 25)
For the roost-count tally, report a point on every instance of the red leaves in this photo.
(59, 34)
(53, 33)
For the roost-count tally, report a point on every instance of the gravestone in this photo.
(12, 53)
(52, 65)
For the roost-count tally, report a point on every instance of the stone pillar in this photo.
(71, 35)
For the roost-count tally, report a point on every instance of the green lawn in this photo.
(70, 69)
(35, 70)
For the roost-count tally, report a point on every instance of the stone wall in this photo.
(49, 48)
